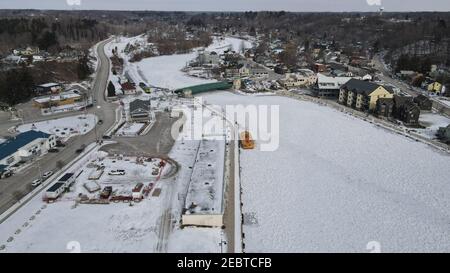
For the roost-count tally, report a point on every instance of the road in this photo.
(11, 189)
(413, 91)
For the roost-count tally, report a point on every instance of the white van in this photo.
(116, 172)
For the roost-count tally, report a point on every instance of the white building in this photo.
(329, 86)
(204, 205)
(25, 146)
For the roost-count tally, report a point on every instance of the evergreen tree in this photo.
(111, 90)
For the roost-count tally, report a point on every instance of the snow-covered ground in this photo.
(222, 44)
(165, 71)
(337, 183)
(2, 140)
(63, 127)
(130, 129)
(116, 227)
(433, 122)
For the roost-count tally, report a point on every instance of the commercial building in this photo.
(329, 87)
(64, 98)
(25, 147)
(204, 204)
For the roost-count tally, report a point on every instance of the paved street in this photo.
(413, 91)
(19, 184)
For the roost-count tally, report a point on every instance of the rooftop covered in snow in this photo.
(205, 193)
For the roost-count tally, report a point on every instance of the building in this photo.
(385, 107)
(60, 187)
(48, 88)
(303, 78)
(140, 110)
(406, 110)
(435, 87)
(253, 70)
(362, 95)
(329, 87)
(444, 134)
(207, 87)
(28, 51)
(208, 58)
(25, 147)
(64, 98)
(423, 102)
(320, 68)
(204, 203)
(128, 88)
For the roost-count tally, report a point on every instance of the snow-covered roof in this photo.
(62, 96)
(48, 85)
(326, 82)
(206, 186)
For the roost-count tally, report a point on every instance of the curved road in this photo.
(19, 184)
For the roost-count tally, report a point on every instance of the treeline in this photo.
(49, 34)
(175, 41)
(17, 85)
(414, 63)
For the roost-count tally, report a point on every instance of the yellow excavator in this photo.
(246, 140)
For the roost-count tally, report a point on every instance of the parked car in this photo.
(100, 122)
(6, 174)
(54, 150)
(36, 182)
(81, 149)
(106, 137)
(60, 144)
(47, 175)
(116, 172)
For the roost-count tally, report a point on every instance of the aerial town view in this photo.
(194, 126)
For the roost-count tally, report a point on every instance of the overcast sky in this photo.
(232, 5)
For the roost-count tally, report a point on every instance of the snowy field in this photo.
(220, 45)
(337, 183)
(63, 127)
(2, 140)
(433, 122)
(165, 71)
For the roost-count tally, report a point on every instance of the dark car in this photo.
(106, 137)
(6, 174)
(81, 149)
(60, 144)
(100, 122)
(53, 150)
